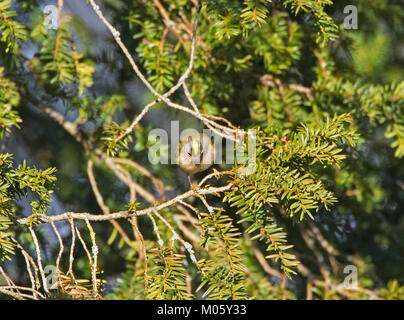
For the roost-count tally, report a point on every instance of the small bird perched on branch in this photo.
(195, 153)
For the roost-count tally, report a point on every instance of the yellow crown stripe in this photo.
(195, 146)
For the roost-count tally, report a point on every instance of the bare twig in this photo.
(156, 230)
(157, 182)
(9, 281)
(96, 191)
(160, 97)
(102, 205)
(188, 233)
(39, 258)
(94, 251)
(24, 288)
(265, 265)
(60, 250)
(175, 236)
(223, 132)
(28, 261)
(71, 127)
(71, 257)
(126, 214)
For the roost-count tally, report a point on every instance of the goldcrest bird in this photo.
(195, 153)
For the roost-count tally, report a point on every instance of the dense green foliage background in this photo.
(328, 105)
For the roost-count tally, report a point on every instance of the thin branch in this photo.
(96, 191)
(94, 251)
(188, 233)
(24, 288)
(265, 265)
(157, 182)
(143, 251)
(71, 127)
(126, 214)
(164, 97)
(71, 256)
(9, 281)
(156, 230)
(101, 203)
(28, 261)
(223, 134)
(18, 296)
(60, 250)
(83, 243)
(161, 97)
(126, 177)
(39, 259)
(186, 245)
